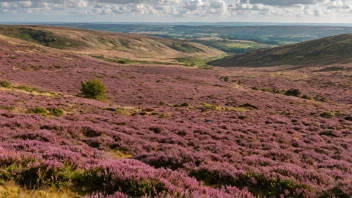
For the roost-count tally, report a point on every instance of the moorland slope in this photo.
(109, 45)
(170, 131)
(325, 51)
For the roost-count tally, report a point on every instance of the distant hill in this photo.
(131, 46)
(325, 51)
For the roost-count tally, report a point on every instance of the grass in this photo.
(327, 114)
(192, 61)
(120, 155)
(212, 107)
(184, 47)
(129, 61)
(6, 84)
(233, 46)
(11, 190)
(68, 178)
(197, 61)
(46, 111)
(45, 38)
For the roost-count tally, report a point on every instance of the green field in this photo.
(234, 46)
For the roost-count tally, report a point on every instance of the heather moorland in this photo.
(170, 130)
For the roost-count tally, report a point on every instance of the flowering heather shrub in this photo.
(281, 148)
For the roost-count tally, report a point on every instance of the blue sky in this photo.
(296, 11)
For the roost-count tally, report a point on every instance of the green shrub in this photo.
(327, 114)
(5, 83)
(56, 112)
(29, 89)
(293, 92)
(122, 61)
(38, 110)
(185, 104)
(329, 133)
(307, 97)
(93, 89)
(249, 106)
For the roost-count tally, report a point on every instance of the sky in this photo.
(284, 11)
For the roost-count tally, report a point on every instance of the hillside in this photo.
(109, 45)
(170, 131)
(326, 51)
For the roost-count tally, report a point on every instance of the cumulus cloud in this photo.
(183, 8)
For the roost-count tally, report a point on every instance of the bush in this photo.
(293, 92)
(307, 97)
(56, 112)
(38, 110)
(93, 89)
(5, 83)
(327, 114)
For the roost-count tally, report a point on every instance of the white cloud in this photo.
(184, 8)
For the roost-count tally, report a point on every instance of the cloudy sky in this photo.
(319, 11)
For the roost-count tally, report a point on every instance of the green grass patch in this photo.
(46, 111)
(234, 46)
(45, 38)
(184, 47)
(129, 61)
(327, 114)
(6, 84)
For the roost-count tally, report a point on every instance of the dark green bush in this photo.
(329, 133)
(5, 83)
(327, 114)
(38, 110)
(307, 97)
(293, 92)
(93, 89)
(56, 112)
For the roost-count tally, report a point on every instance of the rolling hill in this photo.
(109, 45)
(325, 51)
(168, 131)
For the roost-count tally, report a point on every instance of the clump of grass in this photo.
(329, 133)
(38, 110)
(206, 106)
(56, 112)
(6, 84)
(249, 106)
(29, 89)
(182, 105)
(327, 114)
(290, 92)
(93, 89)
(192, 61)
(293, 92)
(307, 97)
(46, 112)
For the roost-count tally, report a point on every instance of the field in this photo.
(265, 35)
(171, 131)
(233, 46)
